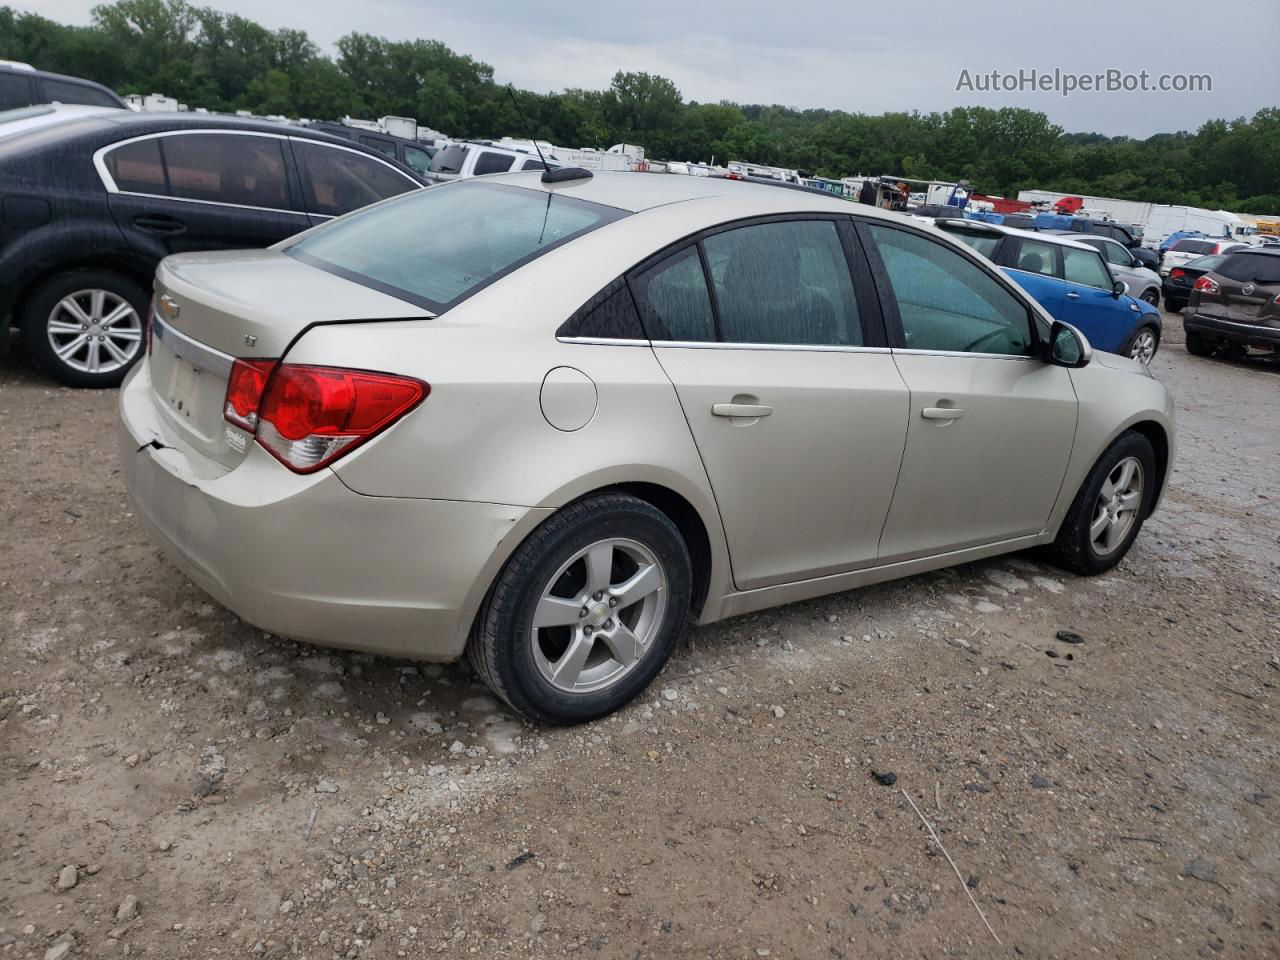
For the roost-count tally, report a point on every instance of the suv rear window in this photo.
(436, 247)
(449, 160)
(1194, 246)
(1253, 267)
(15, 90)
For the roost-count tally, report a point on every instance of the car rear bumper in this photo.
(306, 557)
(1251, 334)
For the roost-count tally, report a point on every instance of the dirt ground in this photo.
(173, 783)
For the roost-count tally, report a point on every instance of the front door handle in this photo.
(942, 413)
(1073, 296)
(740, 410)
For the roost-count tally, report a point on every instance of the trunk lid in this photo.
(212, 308)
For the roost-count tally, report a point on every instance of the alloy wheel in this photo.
(599, 615)
(1143, 347)
(1116, 509)
(94, 331)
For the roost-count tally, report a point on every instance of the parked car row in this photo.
(91, 200)
(614, 380)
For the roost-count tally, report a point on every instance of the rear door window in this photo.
(673, 299)
(66, 91)
(336, 181)
(138, 167)
(1085, 267)
(490, 162)
(784, 283)
(385, 147)
(246, 171)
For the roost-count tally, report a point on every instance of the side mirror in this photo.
(1136, 262)
(1119, 289)
(1067, 346)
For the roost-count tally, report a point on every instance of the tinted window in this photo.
(673, 299)
(15, 90)
(1036, 256)
(337, 181)
(385, 147)
(489, 162)
(137, 167)
(1205, 263)
(417, 159)
(534, 165)
(439, 245)
(784, 283)
(226, 168)
(983, 241)
(64, 91)
(1086, 267)
(1194, 246)
(449, 160)
(946, 302)
(1255, 267)
(610, 314)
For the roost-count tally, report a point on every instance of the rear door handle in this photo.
(159, 223)
(1073, 296)
(740, 410)
(942, 413)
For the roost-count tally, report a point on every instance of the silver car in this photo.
(1143, 282)
(547, 425)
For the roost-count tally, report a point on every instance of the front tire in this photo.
(586, 612)
(1151, 295)
(1143, 344)
(1108, 511)
(86, 327)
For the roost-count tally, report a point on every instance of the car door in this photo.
(204, 190)
(798, 411)
(1090, 302)
(336, 180)
(991, 424)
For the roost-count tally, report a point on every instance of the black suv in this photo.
(90, 204)
(23, 86)
(414, 155)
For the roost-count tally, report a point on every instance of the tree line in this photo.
(226, 62)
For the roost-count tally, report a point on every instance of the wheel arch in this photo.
(113, 263)
(1159, 440)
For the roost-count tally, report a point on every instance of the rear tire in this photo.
(1174, 306)
(1198, 345)
(609, 579)
(1109, 509)
(86, 327)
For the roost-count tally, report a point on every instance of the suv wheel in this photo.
(1151, 295)
(1143, 344)
(586, 612)
(86, 327)
(1109, 509)
(1198, 345)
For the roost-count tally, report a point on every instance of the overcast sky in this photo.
(850, 55)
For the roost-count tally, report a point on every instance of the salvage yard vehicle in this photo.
(1189, 248)
(1143, 282)
(1236, 305)
(1071, 280)
(92, 201)
(1180, 280)
(465, 159)
(609, 405)
(21, 85)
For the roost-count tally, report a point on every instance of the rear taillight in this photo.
(1176, 273)
(1207, 284)
(244, 392)
(307, 417)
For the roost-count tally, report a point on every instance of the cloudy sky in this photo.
(851, 55)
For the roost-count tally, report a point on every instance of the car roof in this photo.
(27, 70)
(635, 192)
(40, 115)
(1061, 238)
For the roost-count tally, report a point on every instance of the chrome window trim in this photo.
(605, 341)
(962, 353)
(717, 345)
(193, 351)
(108, 182)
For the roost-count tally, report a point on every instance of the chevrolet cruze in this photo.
(546, 421)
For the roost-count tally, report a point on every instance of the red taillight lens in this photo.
(244, 392)
(310, 416)
(1176, 273)
(1207, 284)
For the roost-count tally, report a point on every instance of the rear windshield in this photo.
(1251, 267)
(437, 246)
(1194, 246)
(449, 160)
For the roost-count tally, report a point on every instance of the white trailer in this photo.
(1166, 219)
(1125, 211)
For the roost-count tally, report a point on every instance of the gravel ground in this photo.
(176, 784)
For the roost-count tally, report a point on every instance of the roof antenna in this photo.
(549, 175)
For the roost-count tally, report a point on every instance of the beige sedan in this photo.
(548, 424)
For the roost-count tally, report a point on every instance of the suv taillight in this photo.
(1207, 284)
(307, 417)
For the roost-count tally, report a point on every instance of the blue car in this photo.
(1071, 280)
